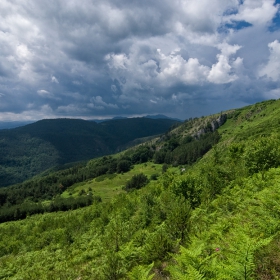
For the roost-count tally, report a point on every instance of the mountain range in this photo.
(14, 124)
(28, 150)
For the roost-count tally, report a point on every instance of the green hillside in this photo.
(27, 151)
(199, 202)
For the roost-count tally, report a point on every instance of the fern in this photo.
(189, 264)
(239, 262)
(190, 273)
(194, 274)
(141, 272)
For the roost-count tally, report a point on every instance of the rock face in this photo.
(218, 122)
(211, 126)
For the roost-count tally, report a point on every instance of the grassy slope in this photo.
(244, 215)
(251, 121)
(108, 186)
(237, 235)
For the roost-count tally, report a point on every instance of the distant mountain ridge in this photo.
(155, 117)
(159, 116)
(15, 124)
(28, 150)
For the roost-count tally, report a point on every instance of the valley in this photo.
(31, 149)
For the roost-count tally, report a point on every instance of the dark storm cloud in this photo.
(104, 58)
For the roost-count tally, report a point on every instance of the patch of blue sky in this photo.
(275, 25)
(235, 25)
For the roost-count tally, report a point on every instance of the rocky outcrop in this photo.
(211, 126)
(218, 122)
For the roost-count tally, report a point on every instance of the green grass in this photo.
(109, 185)
(260, 118)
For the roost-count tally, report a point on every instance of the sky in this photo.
(104, 58)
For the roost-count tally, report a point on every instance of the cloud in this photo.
(107, 57)
(54, 80)
(48, 95)
(97, 102)
(273, 94)
(257, 12)
(167, 70)
(272, 68)
(42, 112)
(71, 109)
(43, 92)
(222, 71)
(175, 68)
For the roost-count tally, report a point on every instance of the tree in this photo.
(178, 213)
(262, 154)
(159, 156)
(123, 166)
(137, 182)
(142, 154)
(189, 188)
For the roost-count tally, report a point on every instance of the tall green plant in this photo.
(262, 154)
(141, 272)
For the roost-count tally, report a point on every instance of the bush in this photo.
(263, 154)
(123, 166)
(138, 181)
(154, 177)
(164, 168)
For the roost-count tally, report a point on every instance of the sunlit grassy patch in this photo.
(108, 185)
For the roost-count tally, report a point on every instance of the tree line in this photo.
(175, 151)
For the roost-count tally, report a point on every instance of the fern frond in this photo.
(194, 274)
(141, 272)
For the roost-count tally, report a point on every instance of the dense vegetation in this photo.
(29, 150)
(215, 219)
(24, 199)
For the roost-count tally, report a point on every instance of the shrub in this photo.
(123, 166)
(138, 181)
(263, 154)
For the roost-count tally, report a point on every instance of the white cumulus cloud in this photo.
(272, 68)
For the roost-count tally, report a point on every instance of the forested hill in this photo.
(28, 150)
(200, 202)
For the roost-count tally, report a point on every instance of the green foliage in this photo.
(29, 150)
(141, 272)
(123, 166)
(137, 182)
(262, 154)
(153, 177)
(188, 152)
(28, 208)
(219, 219)
(178, 213)
(225, 240)
(189, 187)
(164, 168)
(114, 268)
(159, 156)
(267, 260)
(188, 264)
(142, 154)
(157, 245)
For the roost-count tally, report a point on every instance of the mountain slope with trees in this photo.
(215, 217)
(29, 150)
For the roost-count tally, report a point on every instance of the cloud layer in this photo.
(96, 59)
